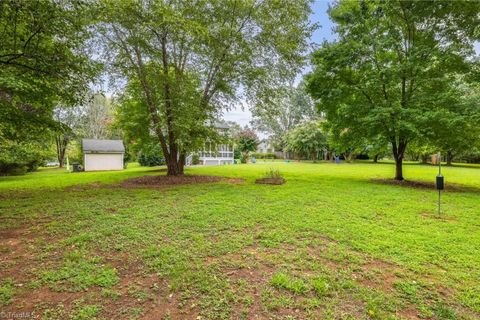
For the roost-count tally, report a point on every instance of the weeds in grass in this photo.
(80, 272)
(314, 248)
(56, 313)
(321, 287)
(87, 312)
(6, 292)
(284, 281)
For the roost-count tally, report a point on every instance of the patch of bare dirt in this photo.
(159, 181)
(379, 274)
(414, 184)
(167, 307)
(253, 266)
(17, 258)
(16, 246)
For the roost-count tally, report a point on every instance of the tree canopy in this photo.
(246, 141)
(43, 62)
(392, 70)
(307, 139)
(190, 60)
(278, 110)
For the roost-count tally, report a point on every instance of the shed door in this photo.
(103, 161)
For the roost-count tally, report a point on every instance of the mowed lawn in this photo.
(331, 243)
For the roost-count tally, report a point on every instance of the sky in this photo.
(324, 32)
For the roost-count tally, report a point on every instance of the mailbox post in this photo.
(440, 183)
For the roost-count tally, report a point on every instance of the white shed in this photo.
(102, 155)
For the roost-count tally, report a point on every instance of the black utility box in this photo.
(440, 182)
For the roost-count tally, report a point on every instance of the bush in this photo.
(259, 155)
(151, 156)
(74, 152)
(127, 157)
(20, 158)
(273, 174)
(16, 171)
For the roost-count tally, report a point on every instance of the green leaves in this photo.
(186, 63)
(308, 139)
(43, 63)
(247, 140)
(393, 64)
(276, 111)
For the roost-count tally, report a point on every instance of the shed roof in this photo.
(102, 146)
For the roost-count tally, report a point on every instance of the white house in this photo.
(265, 146)
(102, 154)
(215, 154)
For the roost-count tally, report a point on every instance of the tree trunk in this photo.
(348, 156)
(61, 143)
(375, 159)
(398, 154)
(449, 158)
(399, 169)
(424, 158)
(175, 163)
(181, 163)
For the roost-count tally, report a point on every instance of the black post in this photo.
(439, 174)
(440, 182)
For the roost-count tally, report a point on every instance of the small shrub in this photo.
(244, 158)
(17, 171)
(237, 154)
(151, 156)
(273, 174)
(20, 158)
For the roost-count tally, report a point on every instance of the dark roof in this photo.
(103, 146)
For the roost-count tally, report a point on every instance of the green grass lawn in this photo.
(329, 244)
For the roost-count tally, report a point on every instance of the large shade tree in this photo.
(393, 66)
(188, 60)
(43, 63)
